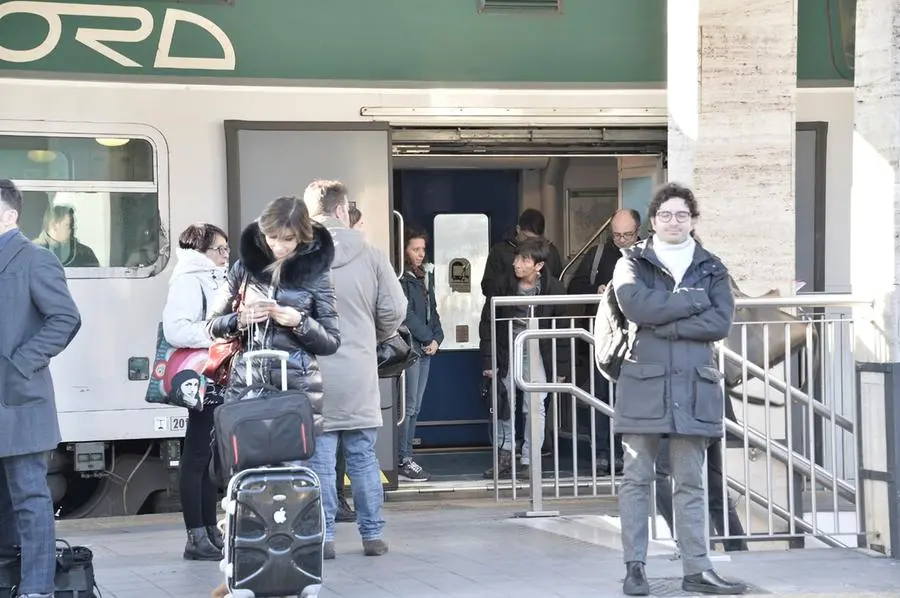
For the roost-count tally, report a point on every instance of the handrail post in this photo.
(534, 399)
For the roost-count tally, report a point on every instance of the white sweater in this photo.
(677, 257)
(183, 317)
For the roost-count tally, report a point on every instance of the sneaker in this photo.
(413, 472)
(328, 552)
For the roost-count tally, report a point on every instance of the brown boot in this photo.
(505, 467)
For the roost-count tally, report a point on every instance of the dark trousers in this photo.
(198, 491)
(341, 467)
(26, 519)
(718, 509)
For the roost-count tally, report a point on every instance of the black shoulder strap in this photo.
(203, 299)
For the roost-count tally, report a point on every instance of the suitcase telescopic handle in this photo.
(282, 356)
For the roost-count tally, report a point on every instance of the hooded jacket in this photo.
(372, 306)
(500, 260)
(306, 286)
(195, 280)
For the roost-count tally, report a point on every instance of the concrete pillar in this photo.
(732, 110)
(874, 251)
(731, 93)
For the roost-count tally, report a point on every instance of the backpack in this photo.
(610, 335)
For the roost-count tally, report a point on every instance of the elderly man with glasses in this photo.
(593, 274)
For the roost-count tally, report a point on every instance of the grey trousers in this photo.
(687, 454)
(26, 519)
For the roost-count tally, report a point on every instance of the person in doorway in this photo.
(356, 221)
(372, 307)
(59, 237)
(38, 321)
(677, 298)
(592, 275)
(526, 280)
(500, 258)
(199, 275)
(424, 325)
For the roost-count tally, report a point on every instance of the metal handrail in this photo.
(754, 438)
(585, 247)
(811, 300)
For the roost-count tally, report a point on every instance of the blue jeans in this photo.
(416, 380)
(26, 519)
(365, 479)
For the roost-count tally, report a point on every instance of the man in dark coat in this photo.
(38, 320)
(525, 279)
(677, 298)
(500, 258)
(592, 275)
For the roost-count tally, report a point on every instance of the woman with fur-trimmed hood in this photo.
(284, 275)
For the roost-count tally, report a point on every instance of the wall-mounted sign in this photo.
(460, 275)
(128, 25)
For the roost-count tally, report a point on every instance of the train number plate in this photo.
(178, 423)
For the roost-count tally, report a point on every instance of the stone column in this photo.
(875, 193)
(874, 251)
(731, 92)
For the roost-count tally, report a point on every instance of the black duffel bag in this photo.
(74, 577)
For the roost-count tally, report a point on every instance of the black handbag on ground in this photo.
(74, 576)
(395, 354)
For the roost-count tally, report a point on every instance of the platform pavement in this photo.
(471, 549)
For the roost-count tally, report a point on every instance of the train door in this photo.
(266, 160)
(464, 212)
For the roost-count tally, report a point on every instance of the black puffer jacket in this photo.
(306, 286)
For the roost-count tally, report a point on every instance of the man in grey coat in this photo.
(371, 306)
(677, 298)
(38, 320)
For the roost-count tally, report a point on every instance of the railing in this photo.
(790, 455)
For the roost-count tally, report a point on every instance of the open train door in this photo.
(266, 160)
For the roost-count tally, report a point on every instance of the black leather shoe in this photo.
(636, 583)
(709, 582)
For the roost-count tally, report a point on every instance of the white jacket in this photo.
(183, 318)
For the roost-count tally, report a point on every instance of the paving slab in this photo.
(474, 549)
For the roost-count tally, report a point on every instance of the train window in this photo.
(94, 202)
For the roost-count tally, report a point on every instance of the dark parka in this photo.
(500, 262)
(506, 286)
(670, 382)
(305, 285)
(422, 319)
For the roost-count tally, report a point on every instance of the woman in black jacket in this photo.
(285, 258)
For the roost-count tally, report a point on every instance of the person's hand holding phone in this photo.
(256, 312)
(286, 316)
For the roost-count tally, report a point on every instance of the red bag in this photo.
(222, 351)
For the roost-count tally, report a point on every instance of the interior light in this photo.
(112, 141)
(41, 156)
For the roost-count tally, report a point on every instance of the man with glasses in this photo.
(593, 274)
(38, 320)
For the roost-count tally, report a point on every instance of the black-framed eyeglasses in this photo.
(222, 250)
(625, 236)
(680, 216)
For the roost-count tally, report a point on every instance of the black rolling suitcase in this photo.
(274, 527)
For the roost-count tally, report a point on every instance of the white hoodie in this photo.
(183, 317)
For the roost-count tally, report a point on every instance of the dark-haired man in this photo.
(527, 279)
(531, 225)
(38, 320)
